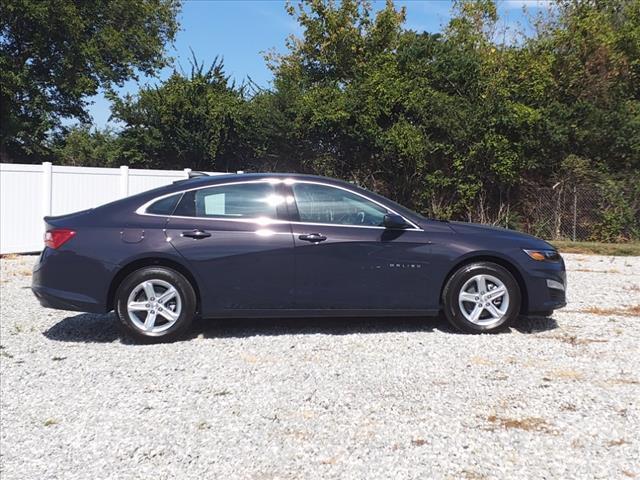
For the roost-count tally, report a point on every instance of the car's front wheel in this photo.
(481, 297)
(155, 304)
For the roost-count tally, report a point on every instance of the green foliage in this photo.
(619, 219)
(188, 120)
(83, 147)
(54, 54)
(462, 124)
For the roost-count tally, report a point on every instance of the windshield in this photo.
(402, 210)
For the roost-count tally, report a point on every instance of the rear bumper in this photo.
(66, 281)
(61, 300)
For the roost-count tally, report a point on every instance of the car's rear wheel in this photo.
(155, 304)
(481, 297)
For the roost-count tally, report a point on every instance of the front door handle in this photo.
(196, 234)
(312, 237)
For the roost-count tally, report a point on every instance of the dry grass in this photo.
(471, 475)
(564, 374)
(480, 361)
(574, 340)
(632, 288)
(628, 473)
(589, 270)
(202, 425)
(22, 272)
(632, 311)
(529, 424)
(419, 442)
(618, 442)
(25, 272)
(595, 248)
(624, 381)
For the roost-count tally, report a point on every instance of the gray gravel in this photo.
(357, 399)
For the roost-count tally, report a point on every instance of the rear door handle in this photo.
(197, 234)
(312, 237)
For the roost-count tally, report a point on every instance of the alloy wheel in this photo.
(484, 300)
(154, 306)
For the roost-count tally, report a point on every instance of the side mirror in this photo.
(393, 221)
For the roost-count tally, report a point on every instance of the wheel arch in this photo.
(513, 270)
(150, 262)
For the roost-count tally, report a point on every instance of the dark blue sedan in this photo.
(287, 245)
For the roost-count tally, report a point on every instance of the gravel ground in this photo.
(358, 399)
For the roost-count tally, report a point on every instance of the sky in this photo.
(240, 32)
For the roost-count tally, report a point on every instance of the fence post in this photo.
(124, 181)
(575, 211)
(187, 171)
(46, 188)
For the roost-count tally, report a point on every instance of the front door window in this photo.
(334, 206)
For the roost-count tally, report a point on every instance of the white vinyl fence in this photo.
(30, 192)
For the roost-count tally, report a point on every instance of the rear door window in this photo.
(243, 200)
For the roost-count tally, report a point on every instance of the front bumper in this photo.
(543, 281)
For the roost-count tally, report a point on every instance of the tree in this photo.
(465, 123)
(82, 146)
(55, 54)
(187, 121)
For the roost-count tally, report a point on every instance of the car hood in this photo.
(523, 239)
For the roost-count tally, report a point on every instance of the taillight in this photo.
(55, 238)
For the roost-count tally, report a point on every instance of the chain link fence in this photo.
(581, 212)
(605, 212)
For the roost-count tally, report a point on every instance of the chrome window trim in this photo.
(270, 221)
(141, 210)
(415, 227)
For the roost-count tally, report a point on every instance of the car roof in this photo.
(202, 180)
(135, 201)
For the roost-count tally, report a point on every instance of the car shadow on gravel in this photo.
(94, 328)
(85, 328)
(241, 328)
(534, 324)
(221, 328)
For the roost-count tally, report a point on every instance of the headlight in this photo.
(543, 255)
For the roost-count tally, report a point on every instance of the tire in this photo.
(464, 290)
(157, 314)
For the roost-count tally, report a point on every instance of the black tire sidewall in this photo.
(187, 297)
(457, 280)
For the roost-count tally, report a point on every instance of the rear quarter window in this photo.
(164, 206)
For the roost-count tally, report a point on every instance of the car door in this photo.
(346, 259)
(233, 238)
